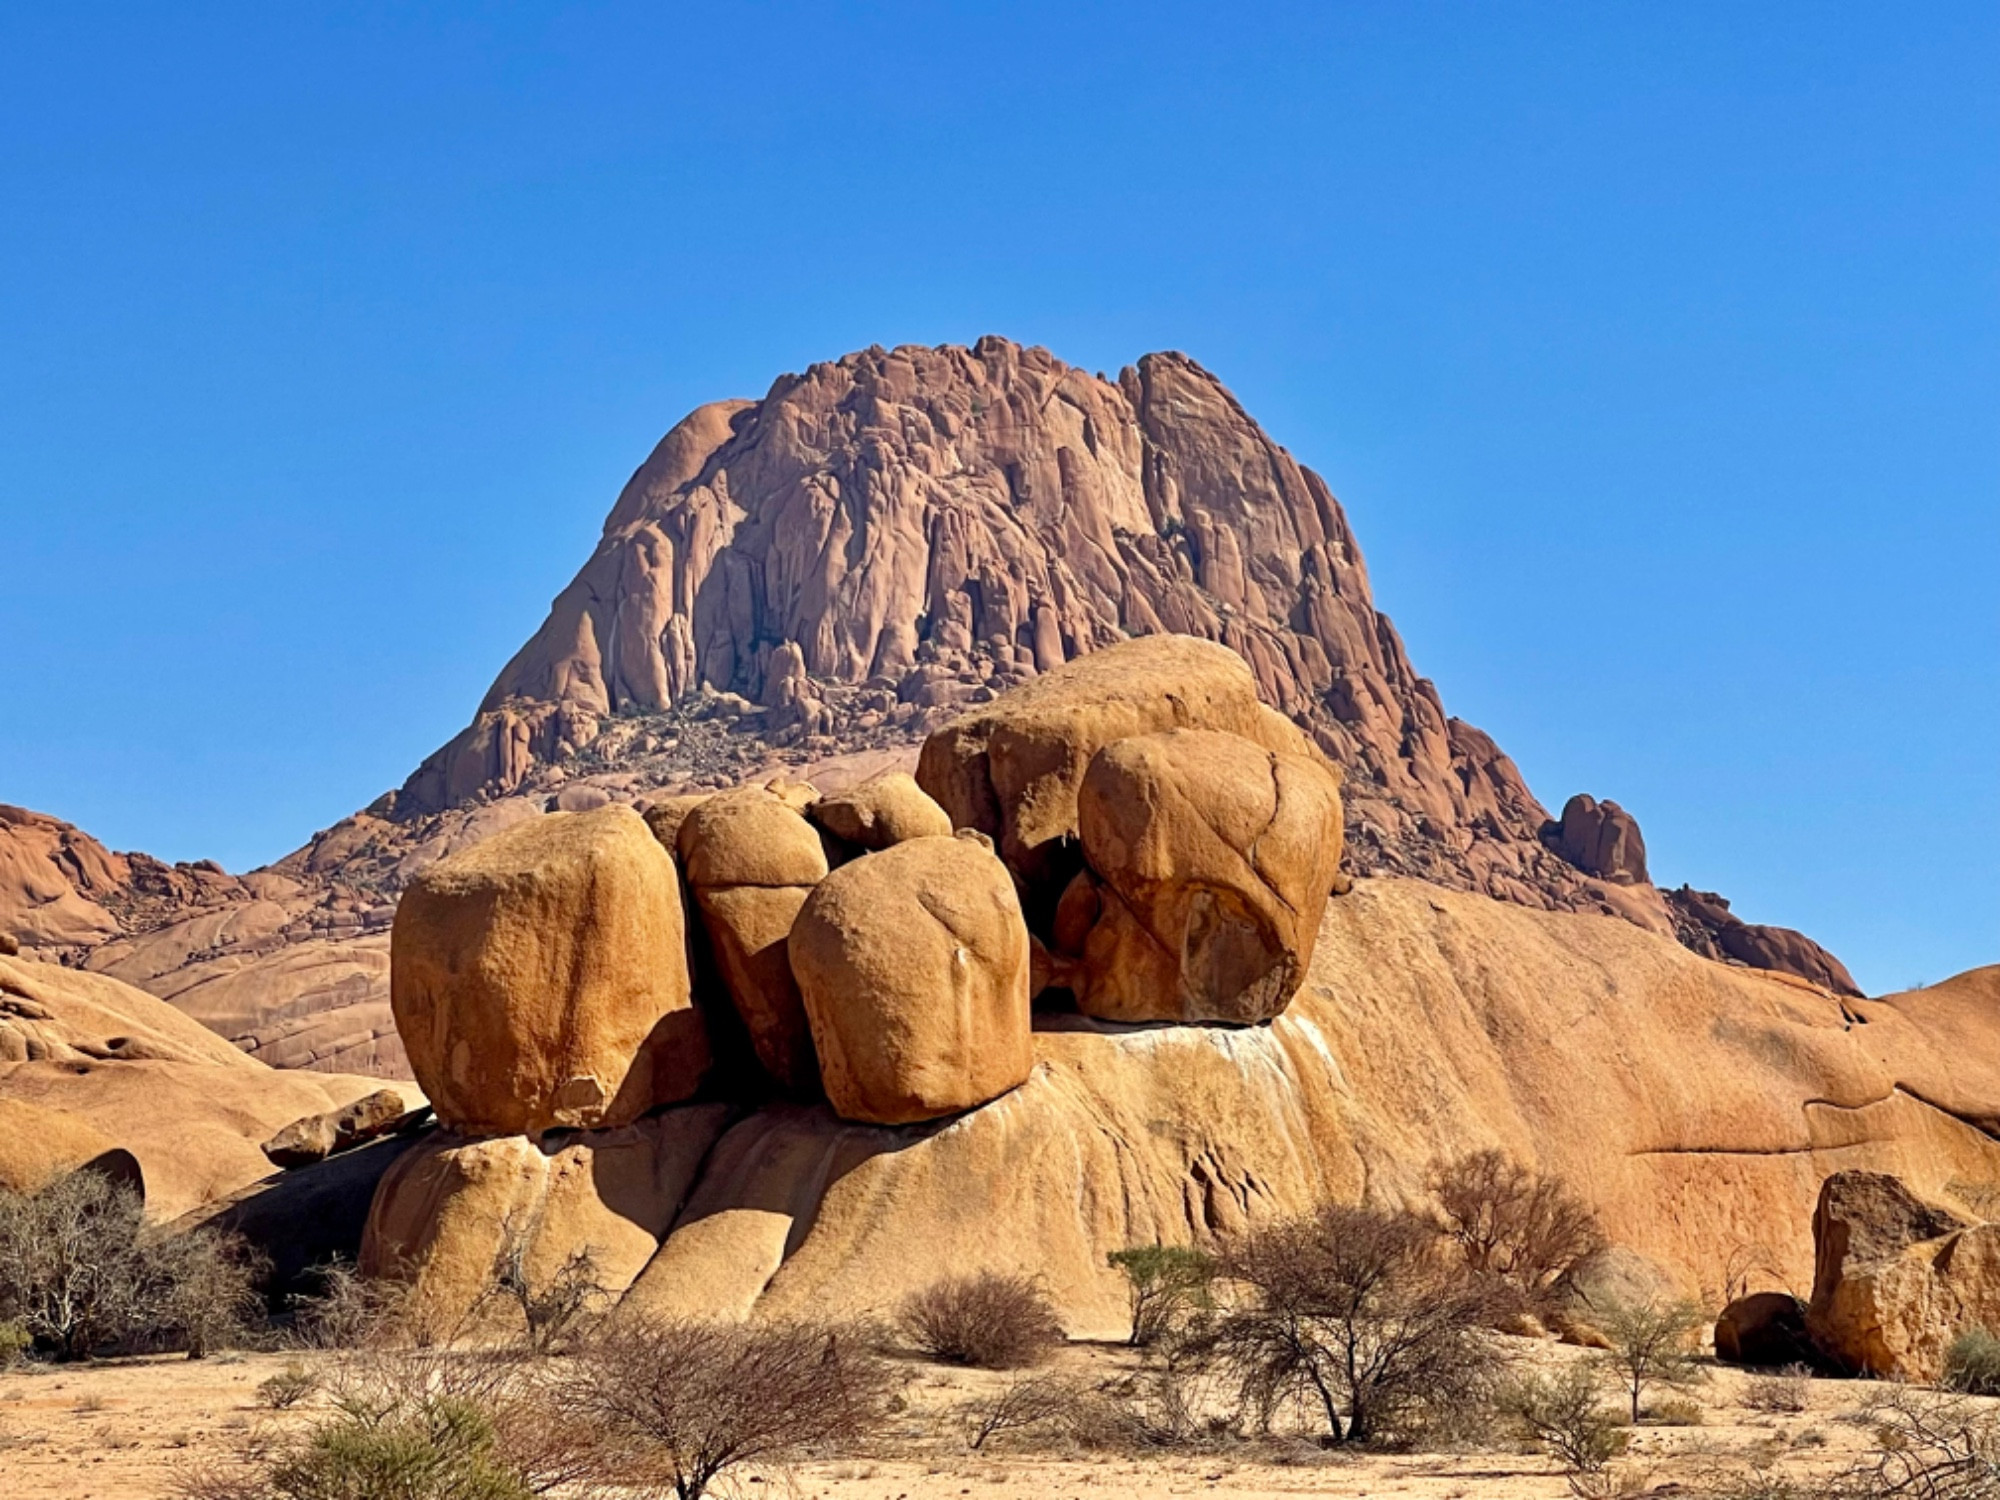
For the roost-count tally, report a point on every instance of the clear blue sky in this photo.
(1654, 349)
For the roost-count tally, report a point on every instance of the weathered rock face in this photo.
(1599, 838)
(1896, 1278)
(1214, 857)
(913, 964)
(540, 979)
(751, 861)
(449, 1210)
(315, 1137)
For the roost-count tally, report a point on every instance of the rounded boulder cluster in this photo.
(1133, 833)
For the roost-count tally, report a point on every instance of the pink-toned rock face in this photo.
(1018, 514)
(540, 979)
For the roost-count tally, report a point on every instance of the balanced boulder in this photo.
(751, 861)
(1215, 857)
(883, 810)
(540, 979)
(1013, 768)
(913, 965)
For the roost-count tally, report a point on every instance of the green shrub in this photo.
(1564, 1415)
(1972, 1363)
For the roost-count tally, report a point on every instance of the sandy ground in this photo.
(123, 1430)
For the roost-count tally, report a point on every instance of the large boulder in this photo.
(883, 810)
(1216, 857)
(540, 978)
(1013, 768)
(751, 861)
(913, 964)
(1896, 1278)
(1766, 1329)
(1599, 838)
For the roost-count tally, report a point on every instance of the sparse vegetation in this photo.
(290, 1386)
(82, 1271)
(349, 1311)
(1652, 1344)
(1166, 1285)
(1786, 1390)
(1025, 1404)
(1972, 1363)
(989, 1320)
(682, 1402)
(1358, 1315)
(1525, 1231)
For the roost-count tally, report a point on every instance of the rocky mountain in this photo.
(814, 581)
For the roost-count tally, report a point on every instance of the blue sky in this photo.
(1654, 349)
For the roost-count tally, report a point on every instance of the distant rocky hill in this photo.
(816, 580)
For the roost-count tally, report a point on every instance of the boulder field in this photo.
(1215, 1037)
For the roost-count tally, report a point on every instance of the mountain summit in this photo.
(814, 581)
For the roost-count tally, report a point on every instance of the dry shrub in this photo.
(1786, 1390)
(1972, 1363)
(350, 1311)
(417, 1425)
(82, 1271)
(1525, 1231)
(990, 1320)
(556, 1308)
(1359, 1316)
(678, 1402)
(1026, 1404)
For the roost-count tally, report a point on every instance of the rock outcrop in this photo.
(313, 1138)
(1704, 923)
(1897, 1278)
(1766, 1329)
(1431, 1023)
(540, 979)
(883, 810)
(1599, 838)
(913, 964)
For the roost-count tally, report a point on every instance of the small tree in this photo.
(990, 1320)
(688, 1401)
(1524, 1230)
(1564, 1414)
(1164, 1284)
(1360, 1314)
(1652, 1344)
